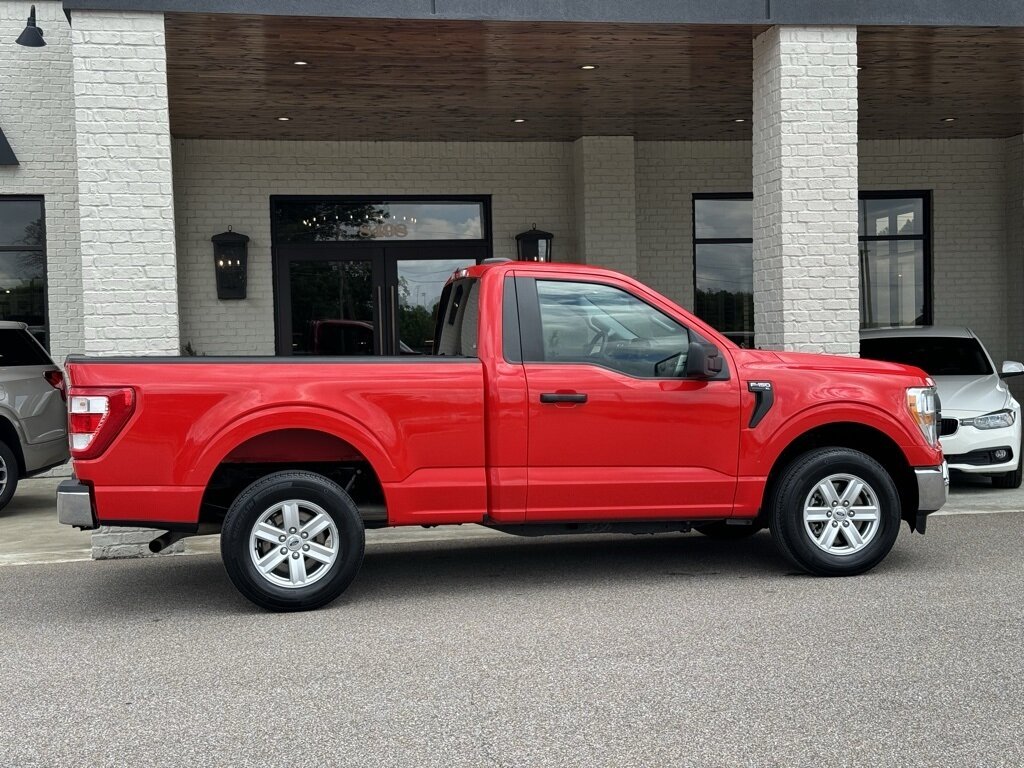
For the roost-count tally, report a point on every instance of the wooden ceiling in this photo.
(232, 77)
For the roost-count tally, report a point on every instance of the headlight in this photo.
(994, 420)
(924, 406)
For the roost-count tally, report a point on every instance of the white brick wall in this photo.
(604, 170)
(122, 134)
(805, 189)
(229, 183)
(129, 277)
(37, 116)
(668, 174)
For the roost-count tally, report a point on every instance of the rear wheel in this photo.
(292, 541)
(835, 512)
(8, 474)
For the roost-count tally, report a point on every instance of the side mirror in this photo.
(1011, 369)
(703, 361)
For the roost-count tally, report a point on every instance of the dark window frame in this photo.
(925, 195)
(925, 237)
(41, 199)
(695, 241)
(282, 253)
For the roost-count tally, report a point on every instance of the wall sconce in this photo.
(534, 245)
(32, 36)
(230, 263)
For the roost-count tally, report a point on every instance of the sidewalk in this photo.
(30, 533)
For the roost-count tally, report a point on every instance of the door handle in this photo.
(563, 397)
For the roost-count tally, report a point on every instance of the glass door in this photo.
(415, 280)
(331, 304)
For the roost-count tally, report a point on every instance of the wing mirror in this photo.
(703, 361)
(1011, 369)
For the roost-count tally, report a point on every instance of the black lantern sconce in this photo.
(230, 263)
(534, 245)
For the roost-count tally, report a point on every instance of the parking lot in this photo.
(471, 648)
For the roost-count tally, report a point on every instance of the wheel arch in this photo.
(857, 436)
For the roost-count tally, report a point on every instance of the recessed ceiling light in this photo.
(948, 119)
(284, 119)
(519, 120)
(740, 120)
(300, 63)
(588, 66)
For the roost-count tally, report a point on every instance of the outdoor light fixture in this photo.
(534, 245)
(32, 37)
(230, 260)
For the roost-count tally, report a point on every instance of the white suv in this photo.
(980, 430)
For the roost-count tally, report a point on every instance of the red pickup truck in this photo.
(559, 398)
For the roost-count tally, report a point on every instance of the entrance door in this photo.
(363, 276)
(331, 304)
(362, 300)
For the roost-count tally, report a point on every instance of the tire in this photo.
(289, 505)
(8, 474)
(819, 536)
(1011, 479)
(720, 530)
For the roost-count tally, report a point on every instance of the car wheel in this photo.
(292, 541)
(1011, 479)
(835, 512)
(721, 530)
(8, 474)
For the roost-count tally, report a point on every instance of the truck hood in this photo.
(817, 362)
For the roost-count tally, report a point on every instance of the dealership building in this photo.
(791, 170)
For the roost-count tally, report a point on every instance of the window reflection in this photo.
(23, 264)
(298, 221)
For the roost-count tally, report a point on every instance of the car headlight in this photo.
(923, 405)
(994, 420)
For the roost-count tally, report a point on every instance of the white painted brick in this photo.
(37, 115)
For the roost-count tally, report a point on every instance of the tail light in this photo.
(56, 380)
(95, 416)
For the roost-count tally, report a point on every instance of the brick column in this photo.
(125, 198)
(805, 189)
(605, 195)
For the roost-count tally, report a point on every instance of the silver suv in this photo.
(33, 413)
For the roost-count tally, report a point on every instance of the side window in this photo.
(17, 347)
(602, 325)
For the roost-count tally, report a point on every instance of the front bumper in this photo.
(971, 450)
(74, 505)
(932, 493)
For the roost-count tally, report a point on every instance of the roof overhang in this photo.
(984, 13)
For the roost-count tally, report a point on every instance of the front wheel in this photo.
(835, 512)
(292, 541)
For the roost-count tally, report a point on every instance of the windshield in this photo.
(935, 355)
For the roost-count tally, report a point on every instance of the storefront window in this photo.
(332, 220)
(23, 263)
(723, 264)
(895, 261)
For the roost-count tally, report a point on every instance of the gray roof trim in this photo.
(7, 156)
(980, 13)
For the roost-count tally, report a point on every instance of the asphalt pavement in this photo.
(479, 650)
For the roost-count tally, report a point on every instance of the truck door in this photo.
(615, 430)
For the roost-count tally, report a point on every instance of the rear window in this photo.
(17, 347)
(457, 320)
(935, 355)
